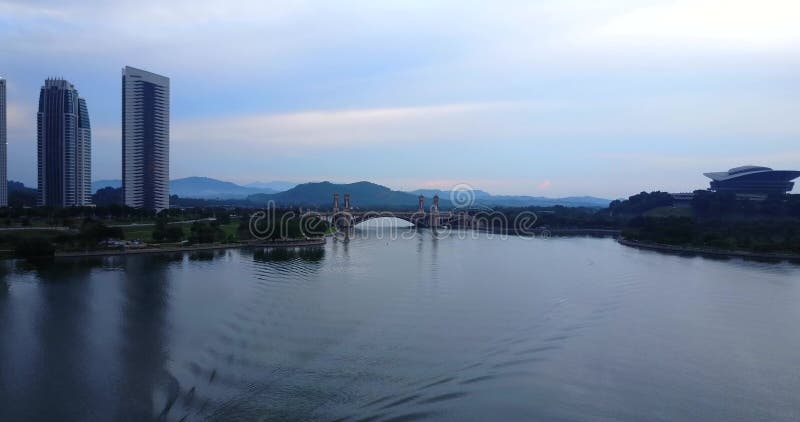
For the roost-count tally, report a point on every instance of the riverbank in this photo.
(193, 248)
(546, 232)
(583, 232)
(709, 251)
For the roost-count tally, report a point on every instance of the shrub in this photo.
(205, 233)
(174, 233)
(34, 247)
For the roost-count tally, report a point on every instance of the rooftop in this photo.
(741, 171)
(746, 169)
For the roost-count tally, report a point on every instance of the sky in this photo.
(551, 98)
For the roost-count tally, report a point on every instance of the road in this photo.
(171, 222)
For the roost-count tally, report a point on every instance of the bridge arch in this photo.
(412, 219)
(399, 221)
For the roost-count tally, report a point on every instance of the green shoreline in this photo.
(144, 251)
(555, 232)
(660, 247)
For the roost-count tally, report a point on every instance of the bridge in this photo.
(345, 217)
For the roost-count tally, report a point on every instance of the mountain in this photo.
(362, 195)
(480, 197)
(109, 183)
(277, 186)
(206, 187)
(541, 201)
(198, 187)
(429, 193)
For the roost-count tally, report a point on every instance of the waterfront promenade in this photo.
(293, 243)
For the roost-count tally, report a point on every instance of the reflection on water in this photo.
(202, 255)
(146, 384)
(61, 327)
(281, 254)
(410, 329)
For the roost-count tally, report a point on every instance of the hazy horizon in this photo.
(601, 98)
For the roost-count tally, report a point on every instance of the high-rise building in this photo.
(64, 146)
(145, 139)
(83, 170)
(3, 147)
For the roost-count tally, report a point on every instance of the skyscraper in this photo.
(145, 139)
(64, 146)
(3, 147)
(83, 169)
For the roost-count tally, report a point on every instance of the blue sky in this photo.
(550, 98)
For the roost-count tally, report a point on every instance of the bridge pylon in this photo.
(342, 218)
(345, 218)
(434, 217)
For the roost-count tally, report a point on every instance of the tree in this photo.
(93, 232)
(160, 230)
(202, 232)
(174, 233)
(243, 231)
(20, 196)
(641, 203)
(223, 217)
(107, 196)
(34, 247)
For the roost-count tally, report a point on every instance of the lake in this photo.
(413, 328)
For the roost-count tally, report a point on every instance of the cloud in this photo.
(20, 117)
(430, 91)
(342, 128)
(491, 122)
(740, 23)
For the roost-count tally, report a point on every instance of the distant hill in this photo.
(541, 201)
(487, 199)
(277, 186)
(206, 187)
(429, 193)
(200, 187)
(362, 195)
(109, 183)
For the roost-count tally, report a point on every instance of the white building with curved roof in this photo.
(753, 180)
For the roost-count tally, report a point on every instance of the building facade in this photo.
(145, 139)
(3, 146)
(83, 159)
(753, 181)
(63, 146)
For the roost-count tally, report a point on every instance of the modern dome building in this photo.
(753, 180)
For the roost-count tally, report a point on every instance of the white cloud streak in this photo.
(487, 122)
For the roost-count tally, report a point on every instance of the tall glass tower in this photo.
(64, 146)
(83, 159)
(3, 147)
(145, 139)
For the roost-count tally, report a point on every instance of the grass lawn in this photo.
(230, 229)
(145, 233)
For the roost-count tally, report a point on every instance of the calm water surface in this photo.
(413, 329)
